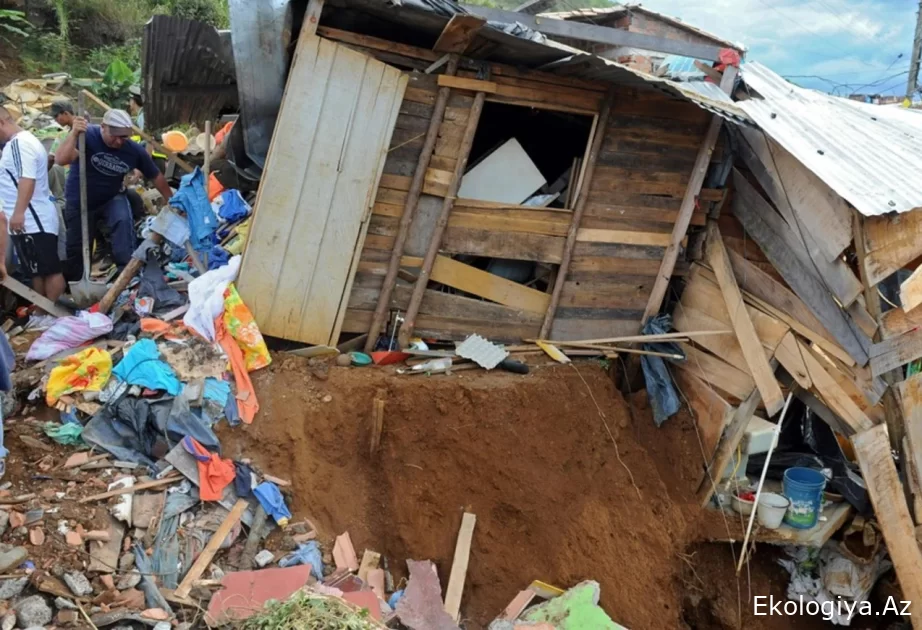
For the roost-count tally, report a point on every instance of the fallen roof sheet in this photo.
(868, 154)
(622, 9)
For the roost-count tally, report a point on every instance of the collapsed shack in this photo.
(457, 218)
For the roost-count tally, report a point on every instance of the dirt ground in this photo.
(531, 457)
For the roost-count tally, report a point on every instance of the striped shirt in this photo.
(24, 156)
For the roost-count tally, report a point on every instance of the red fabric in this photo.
(214, 474)
(729, 57)
(246, 395)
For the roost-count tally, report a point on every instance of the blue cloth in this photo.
(660, 390)
(116, 213)
(192, 199)
(233, 207)
(106, 168)
(218, 257)
(270, 497)
(306, 553)
(7, 364)
(231, 412)
(142, 366)
(217, 390)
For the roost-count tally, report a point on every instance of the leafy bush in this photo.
(116, 80)
(13, 23)
(214, 12)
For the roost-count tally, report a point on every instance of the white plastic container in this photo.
(771, 510)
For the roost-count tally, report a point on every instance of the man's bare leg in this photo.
(54, 286)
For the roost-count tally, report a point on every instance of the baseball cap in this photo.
(61, 107)
(118, 121)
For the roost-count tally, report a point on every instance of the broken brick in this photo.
(17, 519)
(344, 553)
(36, 536)
(107, 581)
(73, 539)
(77, 459)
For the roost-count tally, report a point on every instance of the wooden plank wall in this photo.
(647, 156)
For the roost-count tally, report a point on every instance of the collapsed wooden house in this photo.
(365, 189)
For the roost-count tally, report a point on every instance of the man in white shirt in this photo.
(26, 202)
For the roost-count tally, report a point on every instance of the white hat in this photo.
(119, 122)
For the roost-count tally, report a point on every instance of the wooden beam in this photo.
(911, 395)
(463, 83)
(759, 368)
(581, 200)
(36, 298)
(895, 352)
(459, 566)
(727, 446)
(911, 290)
(214, 543)
(892, 242)
(130, 489)
(872, 448)
(409, 210)
(484, 284)
(419, 289)
(709, 410)
(598, 34)
(312, 19)
(689, 200)
(458, 33)
(751, 209)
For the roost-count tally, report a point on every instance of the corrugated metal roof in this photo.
(705, 95)
(621, 9)
(868, 154)
(187, 72)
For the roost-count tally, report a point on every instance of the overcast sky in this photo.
(851, 42)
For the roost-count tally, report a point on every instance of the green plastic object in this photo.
(360, 358)
(577, 609)
(67, 434)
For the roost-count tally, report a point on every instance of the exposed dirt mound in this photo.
(530, 457)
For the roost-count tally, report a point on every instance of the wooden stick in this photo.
(409, 209)
(639, 338)
(377, 425)
(173, 156)
(33, 296)
(768, 458)
(692, 190)
(459, 566)
(204, 559)
(650, 353)
(131, 489)
(419, 289)
(207, 166)
(581, 200)
(124, 278)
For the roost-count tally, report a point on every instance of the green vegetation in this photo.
(309, 610)
(97, 39)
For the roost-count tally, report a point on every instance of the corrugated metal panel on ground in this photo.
(868, 154)
(188, 72)
(315, 198)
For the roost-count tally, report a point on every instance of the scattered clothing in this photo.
(243, 482)
(206, 298)
(142, 366)
(230, 206)
(214, 473)
(192, 199)
(39, 322)
(270, 497)
(246, 393)
(68, 434)
(153, 285)
(664, 400)
(306, 553)
(69, 332)
(217, 390)
(87, 370)
(242, 326)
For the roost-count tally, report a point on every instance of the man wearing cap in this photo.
(33, 219)
(110, 155)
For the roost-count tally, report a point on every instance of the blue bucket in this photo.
(804, 488)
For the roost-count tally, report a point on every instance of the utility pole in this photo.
(913, 83)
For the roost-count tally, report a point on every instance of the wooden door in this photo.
(324, 163)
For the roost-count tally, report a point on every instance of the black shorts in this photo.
(38, 253)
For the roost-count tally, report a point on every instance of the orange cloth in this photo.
(223, 131)
(214, 473)
(214, 187)
(246, 395)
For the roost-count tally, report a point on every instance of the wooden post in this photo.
(658, 294)
(459, 566)
(207, 166)
(409, 209)
(581, 200)
(419, 289)
(312, 17)
(892, 412)
(173, 156)
(129, 272)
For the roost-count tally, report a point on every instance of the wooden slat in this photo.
(726, 448)
(804, 283)
(589, 235)
(911, 397)
(896, 352)
(710, 412)
(692, 193)
(717, 372)
(911, 290)
(459, 564)
(883, 482)
(484, 284)
(214, 543)
(464, 83)
(458, 33)
(896, 322)
(513, 245)
(799, 195)
(892, 243)
(759, 368)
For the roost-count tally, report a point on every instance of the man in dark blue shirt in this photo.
(110, 155)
